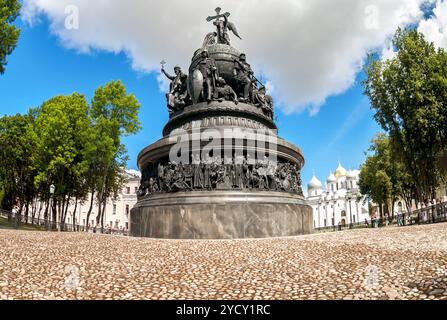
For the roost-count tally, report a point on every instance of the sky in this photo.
(311, 54)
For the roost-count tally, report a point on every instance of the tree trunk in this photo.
(74, 214)
(54, 211)
(33, 210)
(98, 215)
(381, 210)
(67, 204)
(92, 198)
(41, 205)
(61, 209)
(103, 212)
(393, 202)
(47, 209)
(26, 211)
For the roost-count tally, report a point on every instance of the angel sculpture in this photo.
(222, 28)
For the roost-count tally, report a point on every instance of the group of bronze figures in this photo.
(212, 87)
(207, 85)
(225, 174)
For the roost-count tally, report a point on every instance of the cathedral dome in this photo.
(315, 184)
(331, 178)
(340, 172)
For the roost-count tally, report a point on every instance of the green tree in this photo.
(17, 166)
(409, 96)
(61, 129)
(375, 183)
(9, 33)
(70, 144)
(98, 154)
(383, 177)
(115, 114)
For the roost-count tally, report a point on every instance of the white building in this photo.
(339, 202)
(117, 210)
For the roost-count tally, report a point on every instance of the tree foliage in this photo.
(69, 144)
(17, 168)
(383, 177)
(9, 33)
(409, 96)
(115, 114)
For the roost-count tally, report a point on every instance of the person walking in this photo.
(15, 216)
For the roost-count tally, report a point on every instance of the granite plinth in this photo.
(221, 215)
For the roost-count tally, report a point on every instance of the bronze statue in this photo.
(225, 92)
(197, 172)
(178, 92)
(160, 176)
(208, 69)
(210, 39)
(244, 76)
(153, 187)
(206, 168)
(223, 26)
(246, 174)
(237, 172)
(263, 101)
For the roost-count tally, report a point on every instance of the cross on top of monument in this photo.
(218, 16)
(223, 25)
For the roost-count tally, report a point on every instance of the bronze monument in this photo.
(220, 171)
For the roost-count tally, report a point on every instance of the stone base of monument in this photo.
(221, 215)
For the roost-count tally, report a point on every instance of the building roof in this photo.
(340, 171)
(331, 178)
(314, 183)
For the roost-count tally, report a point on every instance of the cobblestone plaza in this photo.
(388, 263)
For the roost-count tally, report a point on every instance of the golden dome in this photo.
(340, 172)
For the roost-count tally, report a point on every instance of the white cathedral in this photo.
(340, 202)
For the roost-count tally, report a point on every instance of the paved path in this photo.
(388, 263)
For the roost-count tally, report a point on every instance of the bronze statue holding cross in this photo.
(223, 26)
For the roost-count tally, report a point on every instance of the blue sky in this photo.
(41, 68)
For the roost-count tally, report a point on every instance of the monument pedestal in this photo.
(221, 215)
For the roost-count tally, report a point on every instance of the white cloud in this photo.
(435, 28)
(309, 50)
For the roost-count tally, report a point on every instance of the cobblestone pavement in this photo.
(390, 263)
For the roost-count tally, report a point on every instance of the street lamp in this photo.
(52, 189)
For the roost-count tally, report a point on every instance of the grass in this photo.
(5, 224)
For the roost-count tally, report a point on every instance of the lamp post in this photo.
(52, 189)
